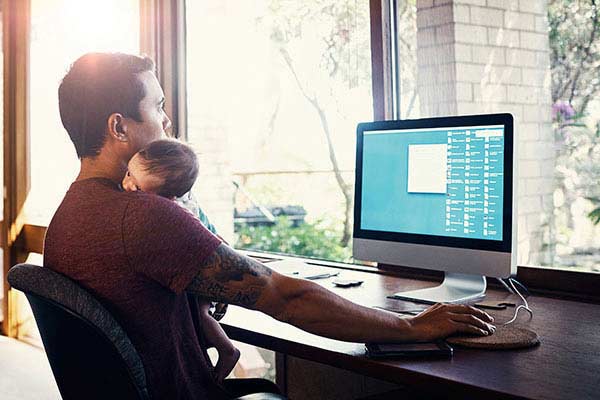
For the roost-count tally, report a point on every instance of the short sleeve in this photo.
(164, 242)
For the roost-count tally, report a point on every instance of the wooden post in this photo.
(16, 29)
(381, 59)
(162, 37)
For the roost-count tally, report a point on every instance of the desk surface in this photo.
(565, 365)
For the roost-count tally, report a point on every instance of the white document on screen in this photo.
(427, 168)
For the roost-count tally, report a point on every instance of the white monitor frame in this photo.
(466, 262)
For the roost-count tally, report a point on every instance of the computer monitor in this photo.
(438, 193)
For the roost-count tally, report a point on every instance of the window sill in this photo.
(564, 284)
(549, 282)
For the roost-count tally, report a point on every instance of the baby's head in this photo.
(167, 167)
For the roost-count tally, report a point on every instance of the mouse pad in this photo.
(505, 338)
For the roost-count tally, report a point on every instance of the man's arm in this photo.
(230, 277)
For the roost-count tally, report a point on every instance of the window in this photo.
(61, 31)
(275, 89)
(537, 61)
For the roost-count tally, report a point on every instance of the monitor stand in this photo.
(456, 288)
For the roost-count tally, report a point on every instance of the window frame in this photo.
(16, 35)
(162, 37)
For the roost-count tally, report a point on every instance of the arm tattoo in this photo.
(230, 277)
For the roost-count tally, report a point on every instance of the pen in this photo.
(321, 276)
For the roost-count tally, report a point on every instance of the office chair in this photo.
(90, 355)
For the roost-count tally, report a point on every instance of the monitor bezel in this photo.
(504, 245)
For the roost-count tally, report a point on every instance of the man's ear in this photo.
(117, 127)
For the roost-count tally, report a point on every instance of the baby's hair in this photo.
(172, 161)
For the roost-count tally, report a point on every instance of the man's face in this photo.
(155, 121)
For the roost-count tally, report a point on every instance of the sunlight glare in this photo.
(62, 31)
(97, 24)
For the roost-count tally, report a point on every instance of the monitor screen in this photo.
(436, 181)
(442, 181)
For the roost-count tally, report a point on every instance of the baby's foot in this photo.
(227, 360)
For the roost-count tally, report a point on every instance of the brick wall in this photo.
(214, 189)
(484, 56)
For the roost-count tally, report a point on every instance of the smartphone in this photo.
(416, 349)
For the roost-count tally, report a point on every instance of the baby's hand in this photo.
(220, 310)
(227, 360)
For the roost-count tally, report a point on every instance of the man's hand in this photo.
(441, 320)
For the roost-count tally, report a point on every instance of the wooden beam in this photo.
(162, 37)
(381, 59)
(15, 29)
(31, 239)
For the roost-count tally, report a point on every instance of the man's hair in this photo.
(172, 161)
(96, 86)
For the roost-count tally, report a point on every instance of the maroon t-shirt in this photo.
(136, 253)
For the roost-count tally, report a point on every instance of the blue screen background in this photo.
(388, 206)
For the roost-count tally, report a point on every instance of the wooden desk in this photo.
(565, 366)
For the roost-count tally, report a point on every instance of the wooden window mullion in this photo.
(162, 25)
(16, 18)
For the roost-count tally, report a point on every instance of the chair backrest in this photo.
(90, 355)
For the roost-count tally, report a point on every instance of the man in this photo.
(142, 255)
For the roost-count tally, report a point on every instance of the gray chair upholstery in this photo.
(41, 284)
(89, 353)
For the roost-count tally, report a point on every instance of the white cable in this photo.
(524, 306)
(505, 285)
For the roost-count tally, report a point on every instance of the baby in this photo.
(169, 168)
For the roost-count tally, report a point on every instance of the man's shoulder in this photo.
(149, 212)
(146, 203)
(91, 204)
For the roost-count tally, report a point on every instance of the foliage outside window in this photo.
(539, 61)
(293, 79)
(275, 110)
(575, 58)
